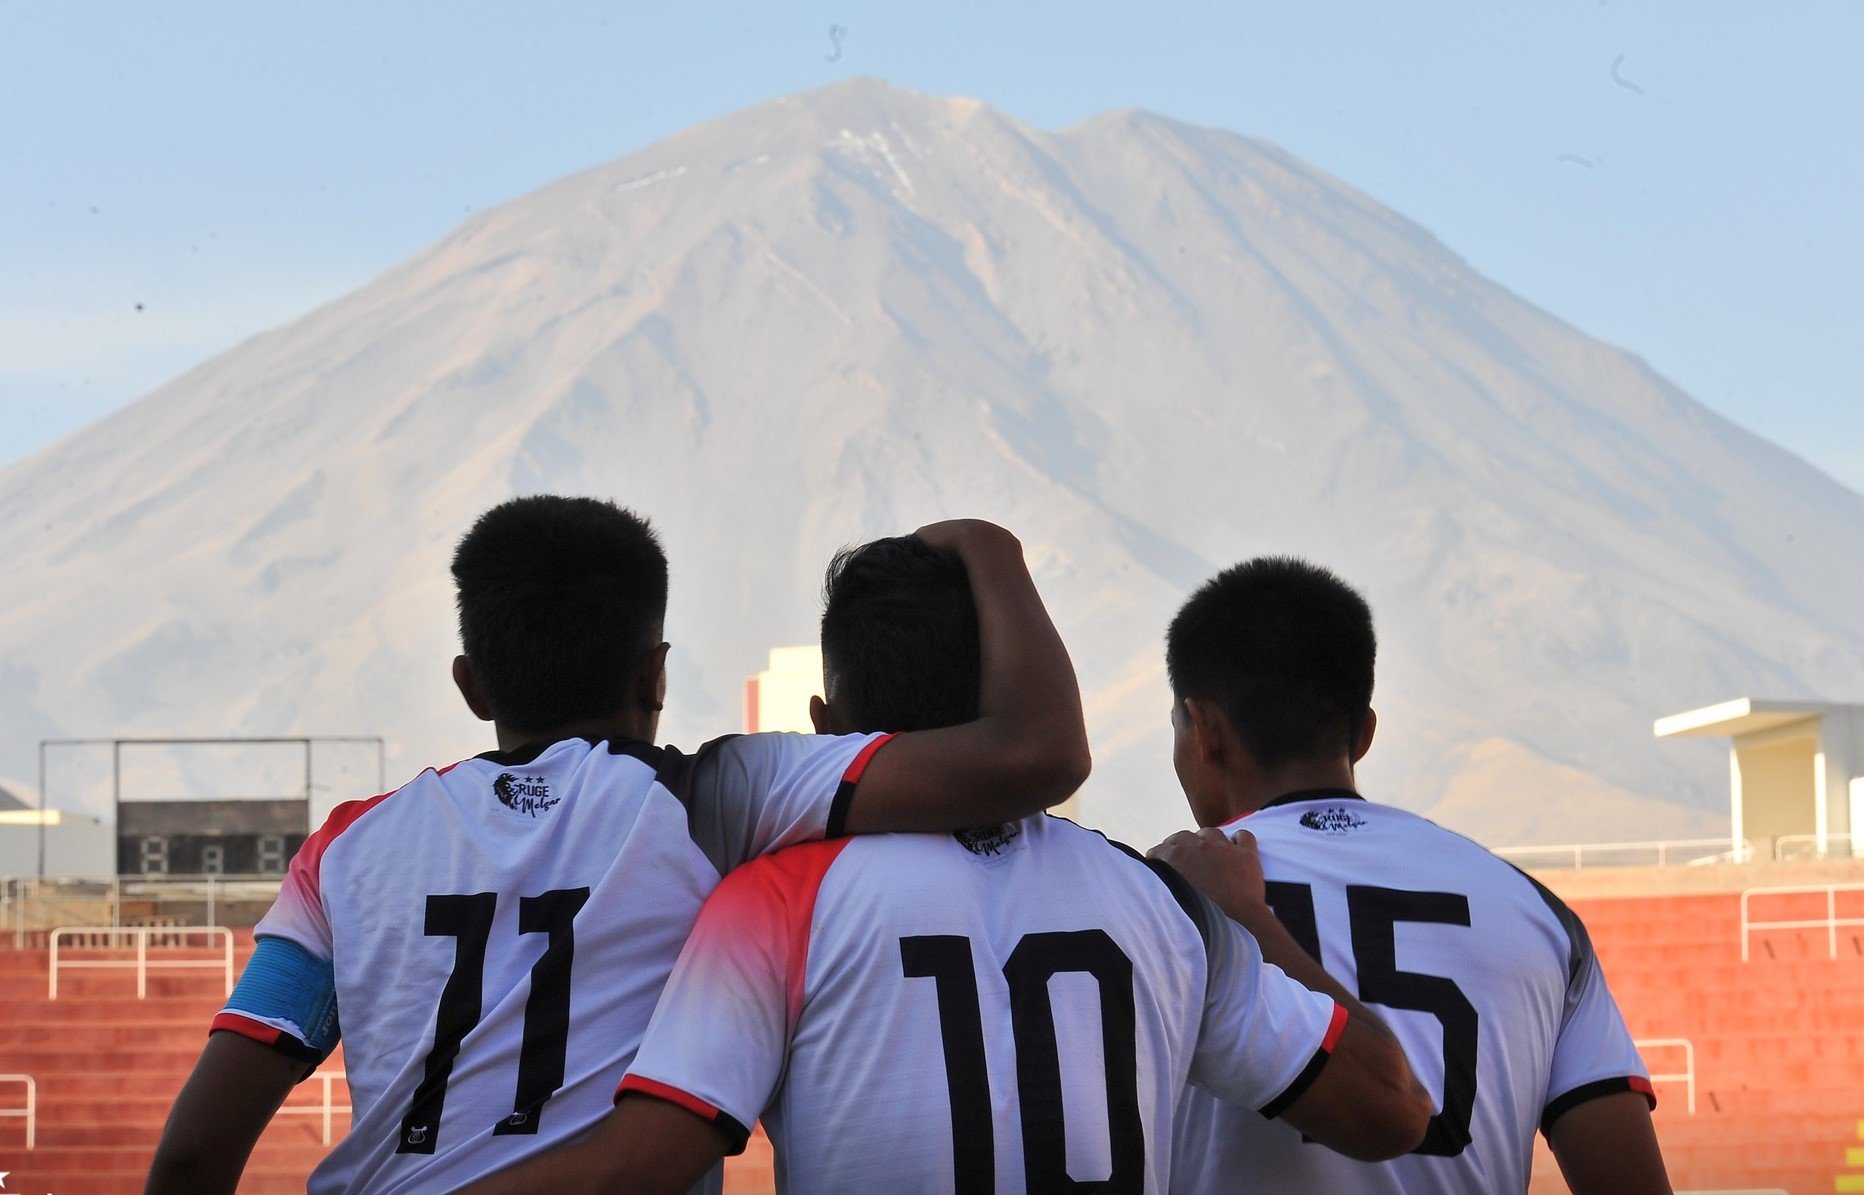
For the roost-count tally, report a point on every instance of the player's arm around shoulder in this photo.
(1027, 749)
(1364, 1101)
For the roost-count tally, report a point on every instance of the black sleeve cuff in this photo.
(1294, 1090)
(844, 793)
(1560, 1105)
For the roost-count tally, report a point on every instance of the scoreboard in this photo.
(228, 837)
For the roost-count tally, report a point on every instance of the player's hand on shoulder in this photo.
(1228, 871)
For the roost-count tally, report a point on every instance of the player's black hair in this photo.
(561, 600)
(1285, 649)
(899, 636)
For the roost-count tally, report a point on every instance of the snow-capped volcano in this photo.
(1148, 348)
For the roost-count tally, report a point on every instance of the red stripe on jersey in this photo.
(266, 1035)
(1642, 1086)
(804, 874)
(672, 1095)
(766, 907)
(308, 862)
(259, 1031)
(1335, 1027)
(859, 766)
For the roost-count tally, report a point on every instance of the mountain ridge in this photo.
(840, 314)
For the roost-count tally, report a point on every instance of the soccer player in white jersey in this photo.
(492, 936)
(1487, 978)
(1013, 1007)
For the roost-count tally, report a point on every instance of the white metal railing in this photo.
(30, 1110)
(142, 963)
(1830, 923)
(1812, 846)
(1687, 1075)
(326, 1109)
(1634, 854)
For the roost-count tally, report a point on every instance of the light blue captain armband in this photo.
(285, 993)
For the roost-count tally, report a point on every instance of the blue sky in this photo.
(1686, 180)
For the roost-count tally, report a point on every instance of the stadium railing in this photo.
(1661, 853)
(1788, 847)
(142, 962)
(1687, 1075)
(1831, 923)
(325, 1108)
(30, 1110)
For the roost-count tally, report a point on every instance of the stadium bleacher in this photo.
(1777, 1043)
(107, 1066)
(1778, 1040)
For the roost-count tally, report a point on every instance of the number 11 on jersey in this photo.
(467, 918)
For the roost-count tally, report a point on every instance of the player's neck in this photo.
(638, 725)
(1248, 787)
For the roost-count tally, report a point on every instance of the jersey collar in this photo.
(519, 756)
(1299, 795)
(1314, 794)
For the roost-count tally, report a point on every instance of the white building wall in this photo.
(782, 691)
(72, 849)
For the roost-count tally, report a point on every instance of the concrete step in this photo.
(33, 1029)
(115, 985)
(43, 1061)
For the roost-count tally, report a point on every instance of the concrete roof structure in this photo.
(1796, 770)
(1743, 715)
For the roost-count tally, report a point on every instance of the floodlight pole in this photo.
(116, 788)
(41, 810)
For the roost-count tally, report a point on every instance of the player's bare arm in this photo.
(1608, 1146)
(237, 1086)
(1365, 1103)
(1027, 750)
(646, 1146)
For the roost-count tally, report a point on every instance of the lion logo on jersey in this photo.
(529, 795)
(1335, 819)
(988, 842)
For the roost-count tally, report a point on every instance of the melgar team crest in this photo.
(529, 795)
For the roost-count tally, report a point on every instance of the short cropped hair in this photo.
(1285, 649)
(899, 637)
(560, 601)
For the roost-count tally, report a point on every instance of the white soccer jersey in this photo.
(494, 936)
(1488, 980)
(998, 1010)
